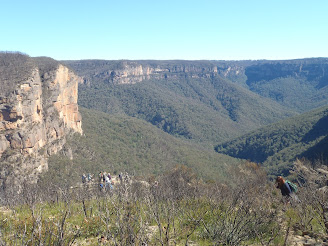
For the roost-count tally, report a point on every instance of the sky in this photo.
(165, 30)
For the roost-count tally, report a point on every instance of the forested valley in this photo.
(176, 153)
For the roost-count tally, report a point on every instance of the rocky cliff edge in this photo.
(38, 108)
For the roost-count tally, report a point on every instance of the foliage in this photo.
(189, 100)
(180, 208)
(277, 145)
(311, 213)
(116, 144)
(15, 67)
(173, 208)
(297, 84)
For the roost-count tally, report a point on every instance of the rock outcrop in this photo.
(38, 108)
(312, 70)
(132, 72)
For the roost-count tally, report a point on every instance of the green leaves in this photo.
(279, 144)
(116, 143)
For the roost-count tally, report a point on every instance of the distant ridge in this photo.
(204, 101)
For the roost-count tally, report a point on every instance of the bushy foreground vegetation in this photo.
(172, 209)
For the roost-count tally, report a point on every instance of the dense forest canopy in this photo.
(279, 144)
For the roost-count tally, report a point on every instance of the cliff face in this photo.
(310, 70)
(131, 72)
(37, 110)
(245, 73)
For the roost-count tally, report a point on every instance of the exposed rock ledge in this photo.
(37, 111)
(132, 72)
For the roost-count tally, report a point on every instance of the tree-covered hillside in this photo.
(277, 145)
(201, 109)
(211, 102)
(14, 68)
(298, 84)
(115, 143)
(207, 101)
(188, 101)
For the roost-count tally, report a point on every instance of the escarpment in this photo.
(38, 109)
(132, 72)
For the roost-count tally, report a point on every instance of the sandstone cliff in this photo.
(131, 72)
(38, 108)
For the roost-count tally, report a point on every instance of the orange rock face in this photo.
(37, 116)
(66, 103)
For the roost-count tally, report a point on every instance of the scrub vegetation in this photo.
(174, 208)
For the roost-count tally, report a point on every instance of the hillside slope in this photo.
(277, 145)
(297, 84)
(189, 99)
(115, 143)
(300, 84)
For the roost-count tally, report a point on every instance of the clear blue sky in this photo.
(170, 29)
